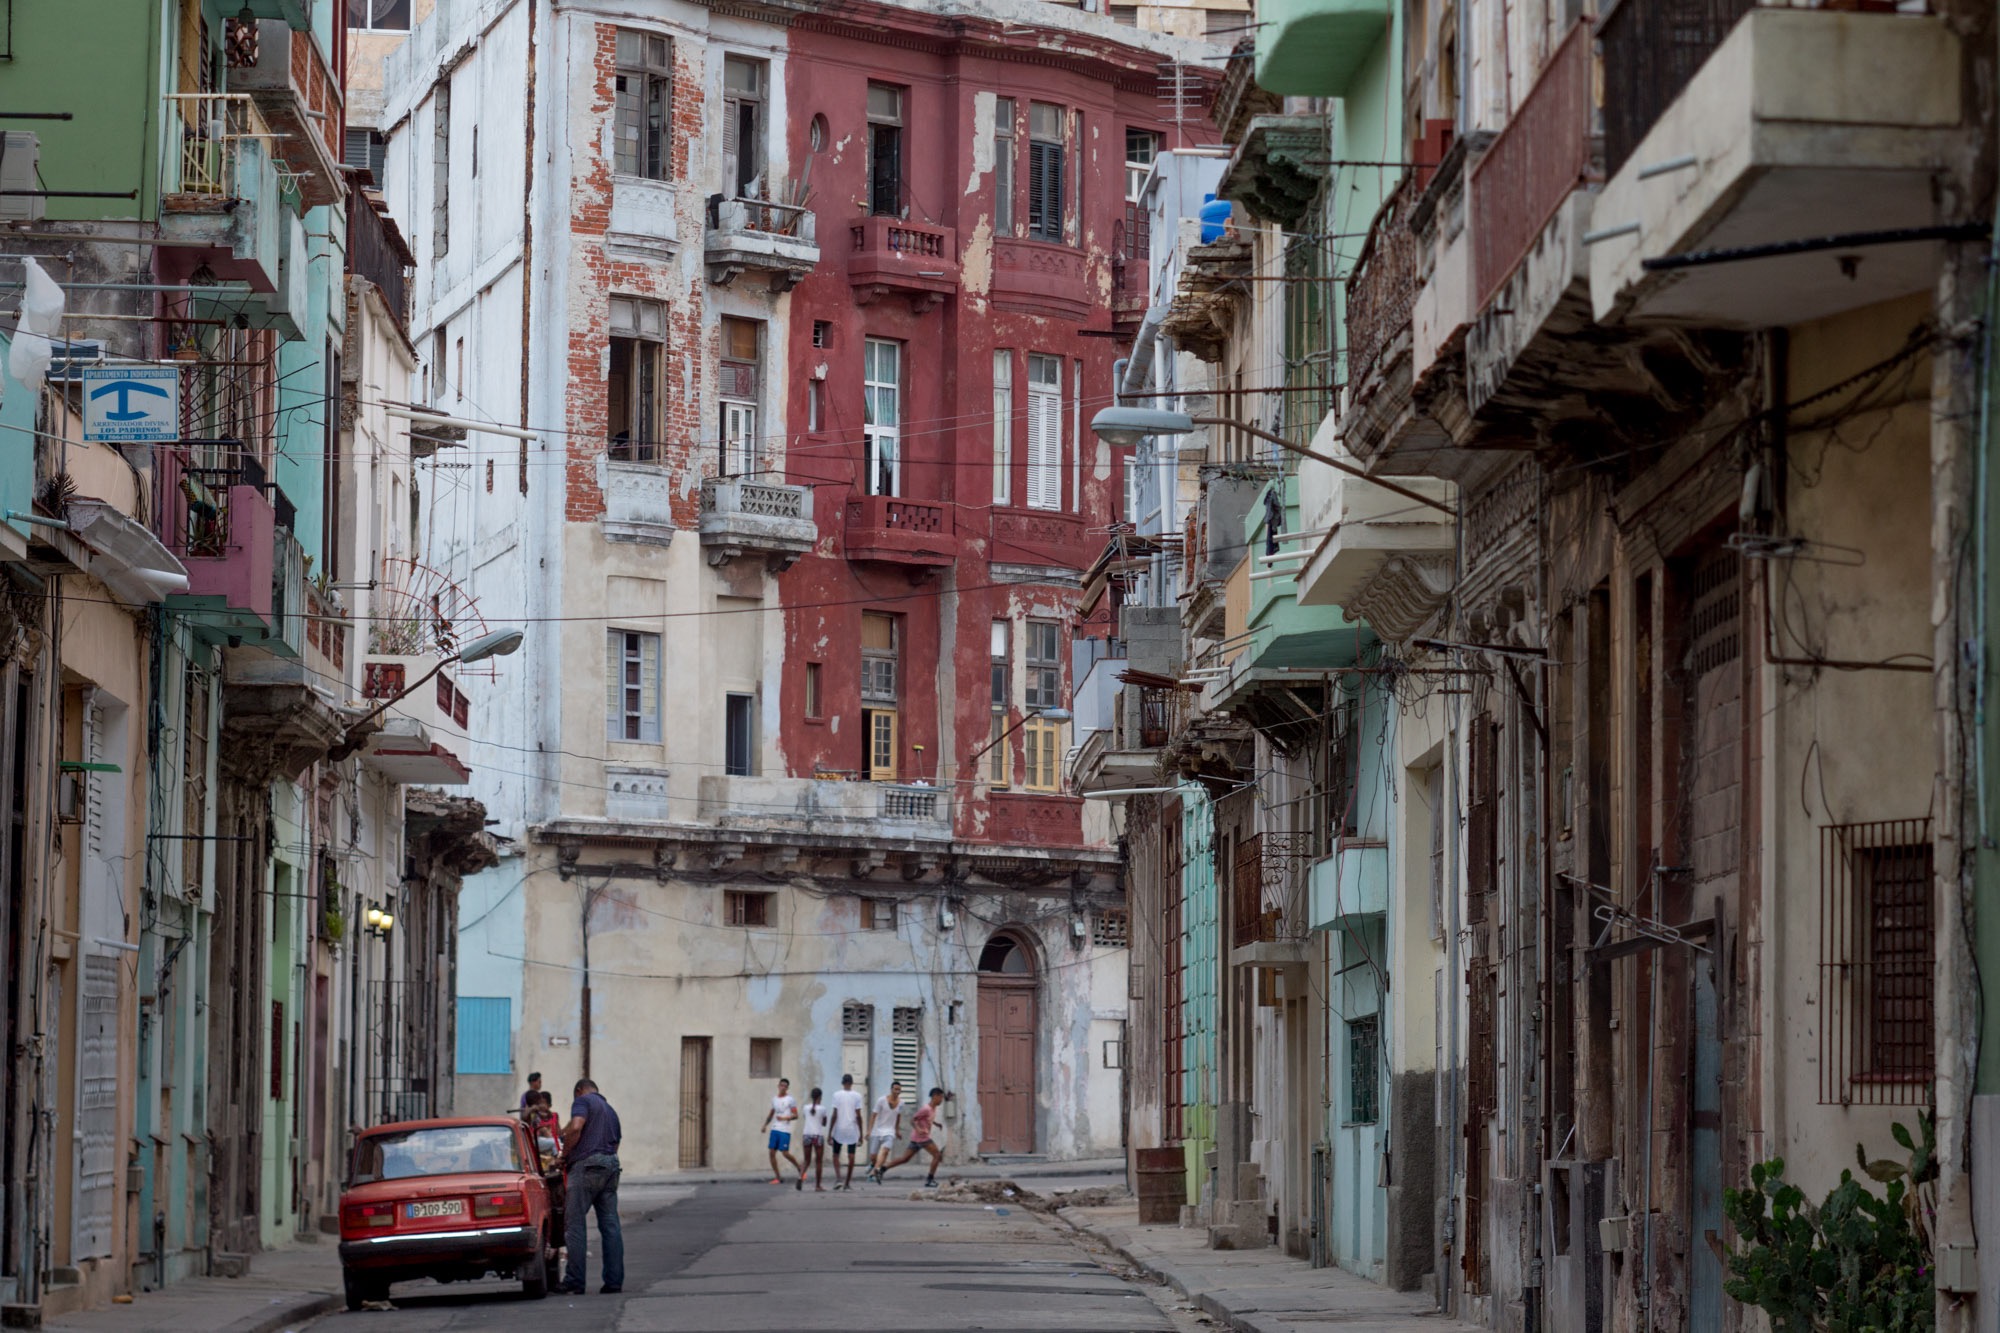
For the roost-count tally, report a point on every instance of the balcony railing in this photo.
(899, 802)
(212, 128)
(1381, 292)
(1537, 160)
(740, 516)
(743, 214)
(301, 100)
(759, 498)
(1651, 51)
(778, 240)
(890, 528)
(376, 252)
(913, 259)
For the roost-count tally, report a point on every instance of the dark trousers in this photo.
(593, 1186)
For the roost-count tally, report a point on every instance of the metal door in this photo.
(694, 1102)
(1006, 1066)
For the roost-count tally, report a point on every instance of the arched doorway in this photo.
(1007, 1045)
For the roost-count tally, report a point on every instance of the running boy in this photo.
(846, 1129)
(814, 1120)
(883, 1130)
(784, 1110)
(920, 1137)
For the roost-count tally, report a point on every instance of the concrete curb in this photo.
(294, 1313)
(1239, 1320)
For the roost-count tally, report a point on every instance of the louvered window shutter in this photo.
(649, 687)
(614, 677)
(1044, 448)
(732, 147)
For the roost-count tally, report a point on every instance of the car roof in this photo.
(450, 1122)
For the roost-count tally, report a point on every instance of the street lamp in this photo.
(1046, 714)
(380, 921)
(1128, 425)
(500, 643)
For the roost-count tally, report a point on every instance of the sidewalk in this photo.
(1081, 1171)
(285, 1289)
(1259, 1291)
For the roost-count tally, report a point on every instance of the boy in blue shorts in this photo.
(779, 1119)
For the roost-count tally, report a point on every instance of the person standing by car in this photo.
(590, 1147)
(534, 1090)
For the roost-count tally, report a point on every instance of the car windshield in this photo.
(443, 1151)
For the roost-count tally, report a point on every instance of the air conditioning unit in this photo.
(20, 162)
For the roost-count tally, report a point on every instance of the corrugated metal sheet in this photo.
(485, 1028)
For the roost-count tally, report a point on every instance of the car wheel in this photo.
(535, 1272)
(361, 1288)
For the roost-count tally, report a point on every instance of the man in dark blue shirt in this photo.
(590, 1151)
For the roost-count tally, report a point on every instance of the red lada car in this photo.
(452, 1200)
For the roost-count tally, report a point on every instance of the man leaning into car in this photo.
(590, 1148)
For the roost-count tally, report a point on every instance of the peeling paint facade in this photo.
(780, 788)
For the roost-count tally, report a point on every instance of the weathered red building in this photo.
(945, 360)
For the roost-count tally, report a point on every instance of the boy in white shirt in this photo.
(882, 1130)
(814, 1120)
(784, 1110)
(846, 1129)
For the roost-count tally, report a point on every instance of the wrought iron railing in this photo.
(1652, 49)
(1382, 290)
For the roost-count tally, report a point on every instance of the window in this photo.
(1878, 950)
(885, 150)
(766, 1057)
(1126, 15)
(878, 914)
(1003, 425)
(485, 1029)
(1044, 664)
(741, 369)
(642, 105)
(379, 16)
(364, 150)
(1003, 697)
(815, 702)
(632, 677)
(1141, 148)
(882, 370)
(738, 722)
(1003, 166)
(441, 169)
(633, 392)
(906, 1050)
(744, 908)
(822, 333)
(1045, 432)
(1364, 1069)
(879, 651)
(815, 405)
(1041, 750)
(1112, 928)
(1045, 171)
(743, 128)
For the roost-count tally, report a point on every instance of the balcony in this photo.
(1801, 124)
(1385, 559)
(779, 241)
(1532, 167)
(741, 517)
(1277, 170)
(1028, 819)
(891, 257)
(300, 99)
(1208, 289)
(1041, 278)
(1353, 882)
(1039, 537)
(377, 251)
(1381, 299)
(1314, 48)
(422, 741)
(638, 502)
(222, 528)
(223, 202)
(895, 531)
(828, 807)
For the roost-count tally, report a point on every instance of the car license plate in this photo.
(438, 1208)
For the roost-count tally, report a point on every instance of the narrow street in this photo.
(742, 1257)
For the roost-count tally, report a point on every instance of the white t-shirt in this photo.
(784, 1110)
(887, 1117)
(847, 1116)
(816, 1117)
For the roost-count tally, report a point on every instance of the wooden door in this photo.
(694, 1102)
(1006, 1066)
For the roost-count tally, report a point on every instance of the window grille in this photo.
(1364, 1065)
(1877, 963)
(1112, 929)
(747, 909)
(857, 1020)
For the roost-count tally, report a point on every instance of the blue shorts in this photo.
(780, 1141)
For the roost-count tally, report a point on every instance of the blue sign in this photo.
(131, 404)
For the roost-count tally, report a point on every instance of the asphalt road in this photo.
(740, 1258)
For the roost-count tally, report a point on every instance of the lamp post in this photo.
(1128, 425)
(500, 643)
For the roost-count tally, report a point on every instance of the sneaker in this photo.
(609, 1291)
(930, 1183)
(801, 1183)
(775, 1180)
(572, 1289)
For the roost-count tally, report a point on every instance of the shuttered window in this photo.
(632, 686)
(885, 150)
(485, 1025)
(1045, 171)
(1003, 426)
(741, 372)
(882, 373)
(1044, 432)
(906, 1050)
(743, 128)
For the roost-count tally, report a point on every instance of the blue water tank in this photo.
(1214, 218)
